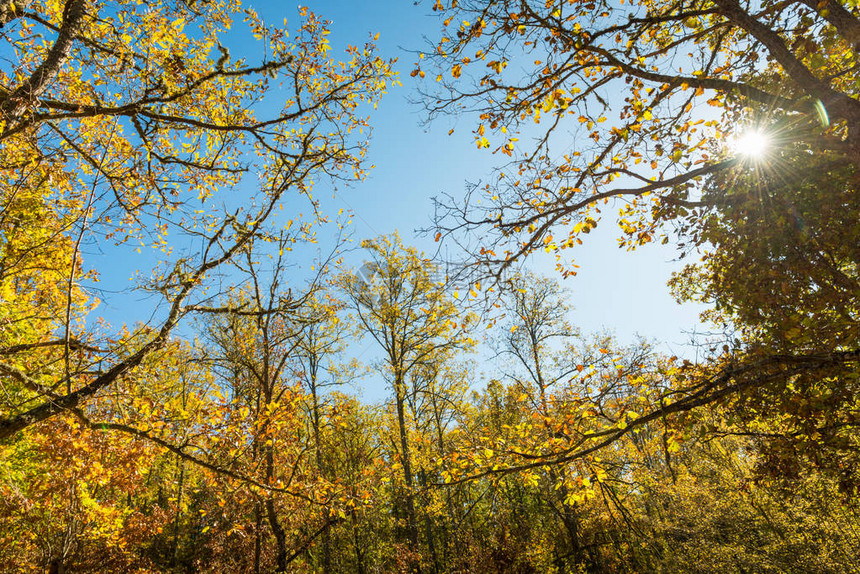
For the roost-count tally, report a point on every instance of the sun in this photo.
(752, 144)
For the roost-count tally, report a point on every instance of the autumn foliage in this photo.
(218, 429)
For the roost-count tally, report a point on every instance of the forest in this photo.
(206, 414)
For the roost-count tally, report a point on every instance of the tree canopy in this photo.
(133, 125)
(224, 430)
(649, 108)
(638, 101)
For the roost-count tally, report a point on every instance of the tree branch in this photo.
(14, 103)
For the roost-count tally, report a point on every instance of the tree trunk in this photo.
(277, 529)
(258, 540)
(175, 558)
(411, 522)
(326, 537)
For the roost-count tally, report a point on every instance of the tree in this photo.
(254, 352)
(321, 341)
(780, 263)
(784, 70)
(538, 429)
(267, 344)
(398, 302)
(81, 498)
(132, 125)
(542, 346)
